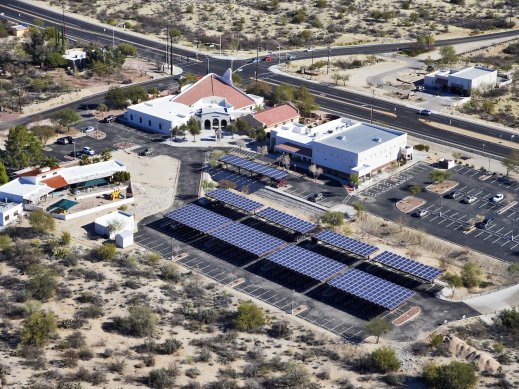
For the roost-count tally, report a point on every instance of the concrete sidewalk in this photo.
(496, 301)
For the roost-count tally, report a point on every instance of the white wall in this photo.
(485, 82)
(11, 215)
(142, 120)
(344, 161)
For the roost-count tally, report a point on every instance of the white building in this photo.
(124, 239)
(342, 146)
(462, 81)
(213, 100)
(9, 212)
(114, 223)
(33, 185)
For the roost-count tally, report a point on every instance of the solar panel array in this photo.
(286, 220)
(345, 243)
(371, 288)
(306, 262)
(235, 200)
(247, 238)
(255, 167)
(407, 265)
(198, 218)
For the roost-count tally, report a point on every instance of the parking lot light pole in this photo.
(513, 228)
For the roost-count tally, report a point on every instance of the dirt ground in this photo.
(409, 204)
(442, 187)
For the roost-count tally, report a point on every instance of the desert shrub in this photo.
(85, 354)
(159, 379)
(280, 329)
(66, 238)
(106, 252)
(42, 283)
(153, 259)
(471, 275)
(294, 376)
(192, 372)
(333, 218)
(455, 375)
(70, 358)
(169, 272)
(88, 298)
(38, 328)
(117, 366)
(227, 184)
(91, 311)
(75, 340)
(170, 346)
(41, 222)
(249, 317)
(140, 321)
(5, 242)
(385, 360)
(421, 147)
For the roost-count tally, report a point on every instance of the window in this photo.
(43, 176)
(140, 120)
(149, 123)
(160, 126)
(131, 117)
(6, 217)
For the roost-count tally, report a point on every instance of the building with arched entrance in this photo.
(213, 100)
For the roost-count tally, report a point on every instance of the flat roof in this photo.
(472, 73)
(25, 189)
(6, 206)
(164, 108)
(73, 175)
(359, 137)
(105, 220)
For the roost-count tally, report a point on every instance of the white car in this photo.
(425, 112)
(470, 199)
(88, 129)
(308, 50)
(498, 198)
(88, 151)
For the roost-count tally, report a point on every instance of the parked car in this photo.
(425, 112)
(267, 58)
(421, 213)
(470, 199)
(317, 197)
(485, 223)
(65, 140)
(76, 154)
(88, 151)
(88, 129)
(498, 198)
(455, 194)
(109, 119)
(146, 152)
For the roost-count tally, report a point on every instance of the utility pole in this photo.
(257, 61)
(170, 53)
(63, 25)
(328, 67)
(167, 45)
(372, 102)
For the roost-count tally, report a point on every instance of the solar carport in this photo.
(254, 167)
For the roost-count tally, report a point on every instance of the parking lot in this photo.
(448, 218)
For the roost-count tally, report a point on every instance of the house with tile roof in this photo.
(272, 117)
(213, 100)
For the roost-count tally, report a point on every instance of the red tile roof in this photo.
(278, 114)
(55, 182)
(34, 172)
(212, 85)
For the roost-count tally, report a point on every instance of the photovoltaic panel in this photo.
(371, 288)
(286, 220)
(345, 243)
(235, 200)
(407, 265)
(247, 238)
(198, 218)
(255, 167)
(306, 262)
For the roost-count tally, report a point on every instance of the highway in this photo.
(328, 97)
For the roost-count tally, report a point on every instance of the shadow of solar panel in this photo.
(198, 218)
(371, 288)
(306, 262)
(254, 167)
(407, 265)
(345, 243)
(235, 200)
(286, 220)
(247, 238)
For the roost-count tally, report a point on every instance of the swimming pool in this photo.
(64, 204)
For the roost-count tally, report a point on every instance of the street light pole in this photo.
(63, 26)
(113, 33)
(372, 102)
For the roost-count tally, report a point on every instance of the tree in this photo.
(455, 375)
(127, 49)
(448, 55)
(333, 218)
(117, 97)
(453, 281)
(193, 128)
(106, 155)
(101, 107)
(284, 93)
(66, 118)
(43, 133)
(120, 177)
(377, 327)
(4, 178)
(260, 88)
(315, 170)
(54, 59)
(384, 360)
(249, 317)
(38, 328)
(511, 163)
(42, 282)
(354, 179)
(471, 275)
(414, 189)
(438, 176)
(285, 161)
(35, 46)
(22, 148)
(41, 222)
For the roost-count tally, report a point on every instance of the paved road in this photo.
(329, 98)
